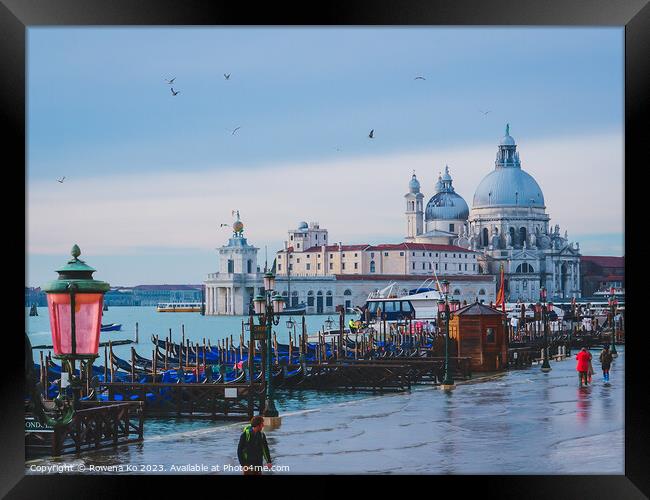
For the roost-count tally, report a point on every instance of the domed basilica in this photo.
(507, 224)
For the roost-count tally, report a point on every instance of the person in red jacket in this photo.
(584, 360)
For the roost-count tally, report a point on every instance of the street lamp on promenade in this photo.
(613, 304)
(446, 307)
(75, 304)
(268, 308)
(546, 367)
(573, 319)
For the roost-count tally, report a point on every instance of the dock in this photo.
(95, 425)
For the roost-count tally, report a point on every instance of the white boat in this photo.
(179, 307)
(418, 304)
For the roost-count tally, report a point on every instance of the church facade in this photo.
(507, 224)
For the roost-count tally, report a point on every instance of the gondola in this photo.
(111, 327)
(291, 378)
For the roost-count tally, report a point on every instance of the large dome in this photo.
(508, 184)
(446, 204)
(508, 187)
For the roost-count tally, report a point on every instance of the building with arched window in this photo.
(509, 226)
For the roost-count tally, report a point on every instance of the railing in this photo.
(95, 425)
(191, 399)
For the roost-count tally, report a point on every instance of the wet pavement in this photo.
(519, 422)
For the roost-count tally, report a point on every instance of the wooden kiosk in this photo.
(478, 331)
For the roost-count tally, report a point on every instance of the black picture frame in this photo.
(18, 15)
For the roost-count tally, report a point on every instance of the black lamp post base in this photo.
(270, 409)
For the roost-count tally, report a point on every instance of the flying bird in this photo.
(419, 78)
(371, 135)
(235, 130)
(170, 81)
(224, 225)
(174, 92)
(61, 179)
(226, 76)
(485, 112)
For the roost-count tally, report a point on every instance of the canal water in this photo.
(519, 422)
(150, 322)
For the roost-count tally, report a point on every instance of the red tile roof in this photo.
(478, 309)
(420, 246)
(604, 261)
(335, 248)
(390, 246)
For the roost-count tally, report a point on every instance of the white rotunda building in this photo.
(509, 224)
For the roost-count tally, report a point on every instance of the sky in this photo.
(150, 176)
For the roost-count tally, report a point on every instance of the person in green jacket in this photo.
(253, 447)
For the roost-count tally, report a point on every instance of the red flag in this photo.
(501, 296)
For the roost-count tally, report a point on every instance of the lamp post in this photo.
(268, 308)
(444, 307)
(573, 318)
(75, 304)
(613, 303)
(546, 367)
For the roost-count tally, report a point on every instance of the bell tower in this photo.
(414, 211)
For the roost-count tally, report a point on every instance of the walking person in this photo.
(605, 362)
(584, 358)
(253, 448)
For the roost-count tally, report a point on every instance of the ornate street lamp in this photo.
(546, 367)
(75, 303)
(444, 309)
(290, 323)
(573, 318)
(268, 308)
(328, 323)
(613, 303)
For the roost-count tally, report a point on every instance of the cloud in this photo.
(357, 199)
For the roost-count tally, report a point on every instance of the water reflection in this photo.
(583, 404)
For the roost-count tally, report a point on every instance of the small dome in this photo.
(303, 225)
(238, 226)
(414, 184)
(446, 206)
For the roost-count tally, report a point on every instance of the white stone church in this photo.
(507, 224)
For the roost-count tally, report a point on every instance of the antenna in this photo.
(265, 260)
